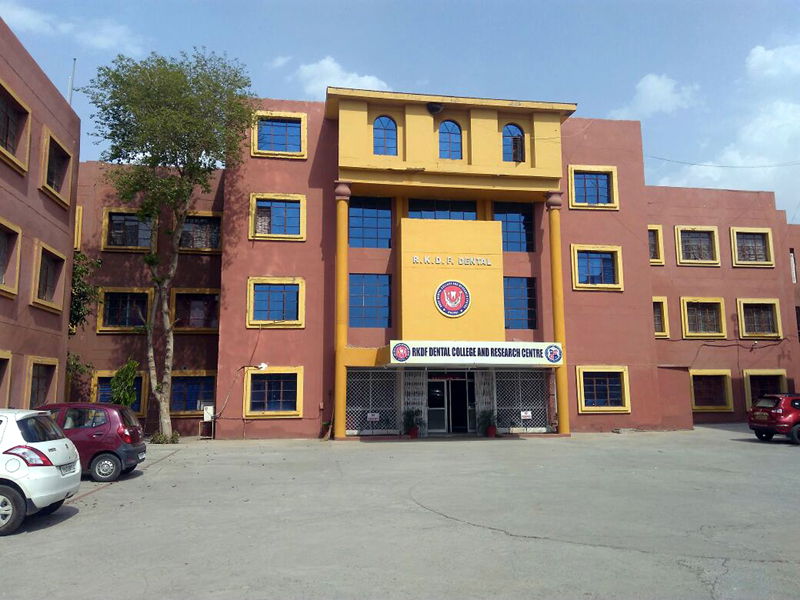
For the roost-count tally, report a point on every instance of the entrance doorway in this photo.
(451, 402)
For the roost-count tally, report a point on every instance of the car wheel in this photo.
(50, 508)
(105, 467)
(794, 434)
(128, 470)
(765, 436)
(12, 510)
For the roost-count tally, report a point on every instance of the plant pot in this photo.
(413, 433)
(491, 431)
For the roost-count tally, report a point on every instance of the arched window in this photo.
(449, 140)
(384, 136)
(513, 143)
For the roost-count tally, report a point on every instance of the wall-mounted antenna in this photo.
(71, 81)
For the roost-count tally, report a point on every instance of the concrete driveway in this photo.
(709, 513)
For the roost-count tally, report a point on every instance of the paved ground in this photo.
(710, 513)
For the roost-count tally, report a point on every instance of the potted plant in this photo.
(412, 420)
(486, 423)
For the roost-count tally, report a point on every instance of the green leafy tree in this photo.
(172, 122)
(123, 388)
(84, 294)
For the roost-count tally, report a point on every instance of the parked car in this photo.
(108, 437)
(38, 467)
(776, 413)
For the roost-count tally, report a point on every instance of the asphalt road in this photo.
(709, 513)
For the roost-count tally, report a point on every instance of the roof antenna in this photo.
(71, 81)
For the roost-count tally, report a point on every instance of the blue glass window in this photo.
(273, 392)
(279, 135)
(454, 210)
(384, 136)
(602, 389)
(449, 140)
(513, 143)
(370, 222)
(520, 302)
(596, 267)
(592, 188)
(190, 393)
(275, 301)
(104, 392)
(517, 219)
(277, 217)
(370, 300)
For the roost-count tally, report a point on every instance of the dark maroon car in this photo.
(776, 413)
(109, 438)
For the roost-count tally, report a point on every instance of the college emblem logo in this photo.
(401, 352)
(552, 354)
(452, 298)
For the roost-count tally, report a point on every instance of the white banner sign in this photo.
(445, 352)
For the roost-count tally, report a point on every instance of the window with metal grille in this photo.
(279, 135)
(50, 267)
(517, 224)
(277, 217)
(752, 247)
(126, 230)
(41, 379)
(659, 323)
(370, 300)
(57, 165)
(454, 210)
(190, 393)
(450, 140)
(603, 389)
(698, 245)
(12, 121)
(104, 392)
(273, 392)
(592, 188)
(196, 310)
(370, 222)
(760, 319)
(703, 317)
(709, 391)
(655, 247)
(513, 143)
(275, 301)
(124, 309)
(384, 136)
(201, 233)
(519, 294)
(6, 246)
(596, 268)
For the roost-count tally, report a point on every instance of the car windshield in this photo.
(767, 402)
(39, 428)
(128, 418)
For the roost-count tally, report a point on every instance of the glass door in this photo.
(437, 406)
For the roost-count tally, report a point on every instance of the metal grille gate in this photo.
(518, 391)
(373, 392)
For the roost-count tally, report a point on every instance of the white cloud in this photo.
(783, 61)
(656, 94)
(96, 34)
(279, 61)
(315, 77)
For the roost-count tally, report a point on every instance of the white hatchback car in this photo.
(39, 467)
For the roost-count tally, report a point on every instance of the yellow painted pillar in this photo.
(559, 326)
(340, 375)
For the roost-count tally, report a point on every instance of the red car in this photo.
(776, 413)
(109, 438)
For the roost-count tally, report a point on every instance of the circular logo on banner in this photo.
(553, 354)
(452, 298)
(401, 352)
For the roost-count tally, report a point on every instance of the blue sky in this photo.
(713, 81)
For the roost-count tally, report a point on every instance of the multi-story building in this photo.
(453, 259)
(39, 143)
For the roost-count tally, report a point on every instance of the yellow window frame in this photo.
(660, 238)
(273, 114)
(76, 240)
(728, 407)
(110, 373)
(284, 414)
(776, 308)
(204, 213)
(616, 251)
(57, 305)
(608, 170)
(41, 360)
(191, 373)
(581, 370)
(5, 378)
(18, 160)
(662, 300)
(173, 309)
(679, 229)
(254, 198)
(11, 288)
(300, 323)
(153, 247)
(64, 196)
(102, 291)
(755, 263)
(748, 392)
(686, 300)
